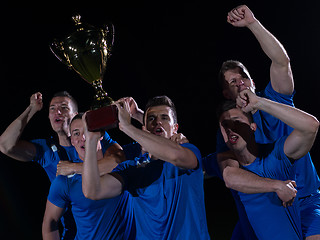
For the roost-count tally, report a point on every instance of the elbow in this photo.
(184, 161)
(316, 125)
(89, 192)
(3, 147)
(227, 172)
(313, 125)
(90, 195)
(285, 60)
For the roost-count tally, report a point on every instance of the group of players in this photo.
(153, 188)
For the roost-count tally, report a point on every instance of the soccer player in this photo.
(266, 213)
(166, 183)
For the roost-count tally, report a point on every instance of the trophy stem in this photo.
(101, 98)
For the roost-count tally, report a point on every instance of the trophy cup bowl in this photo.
(86, 51)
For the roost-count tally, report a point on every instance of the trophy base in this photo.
(103, 118)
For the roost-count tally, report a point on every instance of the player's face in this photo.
(236, 129)
(77, 137)
(60, 114)
(236, 81)
(159, 121)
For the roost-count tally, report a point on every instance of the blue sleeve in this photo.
(58, 194)
(270, 128)
(106, 142)
(41, 148)
(279, 163)
(196, 152)
(211, 167)
(46, 157)
(279, 151)
(271, 94)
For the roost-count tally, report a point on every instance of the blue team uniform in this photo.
(308, 182)
(102, 219)
(47, 155)
(168, 202)
(270, 129)
(268, 217)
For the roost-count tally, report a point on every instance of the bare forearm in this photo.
(51, 235)
(13, 132)
(269, 44)
(295, 118)
(90, 173)
(247, 182)
(50, 230)
(162, 148)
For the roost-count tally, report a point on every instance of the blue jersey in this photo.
(47, 155)
(101, 219)
(270, 129)
(168, 201)
(266, 214)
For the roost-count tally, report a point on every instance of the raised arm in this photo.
(280, 70)
(93, 186)
(159, 147)
(135, 111)
(10, 143)
(305, 126)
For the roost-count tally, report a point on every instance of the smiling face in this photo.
(159, 120)
(61, 112)
(236, 129)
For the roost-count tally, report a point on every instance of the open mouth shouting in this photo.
(158, 131)
(233, 139)
(58, 119)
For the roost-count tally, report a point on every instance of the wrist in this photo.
(32, 109)
(254, 25)
(276, 185)
(138, 116)
(77, 168)
(92, 137)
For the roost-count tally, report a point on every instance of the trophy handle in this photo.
(109, 33)
(57, 49)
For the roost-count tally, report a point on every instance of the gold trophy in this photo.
(86, 51)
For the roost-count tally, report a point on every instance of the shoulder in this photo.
(41, 143)
(58, 191)
(271, 94)
(59, 181)
(274, 152)
(125, 165)
(193, 148)
(107, 141)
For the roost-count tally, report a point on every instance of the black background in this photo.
(161, 47)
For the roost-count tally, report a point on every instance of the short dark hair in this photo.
(230, 65)
(227, 105)
(78, 116)
(159, 101)
(68, 95)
